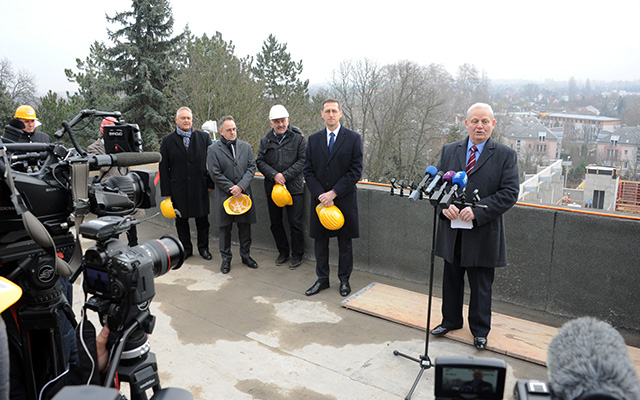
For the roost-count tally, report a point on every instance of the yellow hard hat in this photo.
(281, 196)
(166, 206)
(330, 217)
(25, 112)
(9, 293)
(237, 205)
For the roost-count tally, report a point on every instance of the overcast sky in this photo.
(508, 39)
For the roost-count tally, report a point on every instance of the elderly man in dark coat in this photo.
(332, 168)
(492, 168)
(232, 167)
(183, 177)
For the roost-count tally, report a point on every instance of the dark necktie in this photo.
(472, 159)
(332, 138)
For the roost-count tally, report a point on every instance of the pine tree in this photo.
(279, 73)
(144, 63)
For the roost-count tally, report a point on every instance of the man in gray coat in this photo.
(232, 167)
(492, 168)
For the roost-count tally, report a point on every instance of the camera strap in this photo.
(80, 195)
(31, 223)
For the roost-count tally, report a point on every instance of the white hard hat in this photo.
(278, 111)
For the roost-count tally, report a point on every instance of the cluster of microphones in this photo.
(439, 187)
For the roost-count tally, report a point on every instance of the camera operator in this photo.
(22, 127)
(98, 147)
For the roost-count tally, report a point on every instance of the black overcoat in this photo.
(495, 175)
(183, 174)
(341, 170)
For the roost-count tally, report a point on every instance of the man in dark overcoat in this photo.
(232, 167)
(492, 168)
(280, 158)
(184, 178)
(333, 167)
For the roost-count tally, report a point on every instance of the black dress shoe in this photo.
(250, 262)
(480, 342)
(295, 262)
(440, 330)
(316, 288)
(225, 267)
(282, 258)
(205, 254)
(345, 289)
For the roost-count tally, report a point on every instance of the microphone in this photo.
(127, 159)
(446, 179)
(428, 174)
(434, 182)
(589, 356)
(459, 181)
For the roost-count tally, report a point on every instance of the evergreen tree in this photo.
(95, 87)
(144, 63)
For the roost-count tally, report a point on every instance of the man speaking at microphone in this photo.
(492, 168)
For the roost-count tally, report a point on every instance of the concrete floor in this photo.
(253, 334)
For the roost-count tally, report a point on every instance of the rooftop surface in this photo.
(253, 334)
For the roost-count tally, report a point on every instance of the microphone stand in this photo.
(424, 360)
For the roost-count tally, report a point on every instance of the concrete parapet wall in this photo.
(561, 262)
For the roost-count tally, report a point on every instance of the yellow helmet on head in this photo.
(237, 205)
(281, 196)
(25, 112)
(166, 206)
(330, 217)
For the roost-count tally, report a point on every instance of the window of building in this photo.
(614, 140)
(542, 136)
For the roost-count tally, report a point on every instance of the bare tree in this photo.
(15, 88)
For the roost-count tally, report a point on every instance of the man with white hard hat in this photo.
(281, 157)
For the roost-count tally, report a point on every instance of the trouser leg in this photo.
(480, 281)
(294, 213)
(321, 247)
(345, 258)
(182, 227)
(202, 226)
(277, 227)
(224, 242)
(244, 237)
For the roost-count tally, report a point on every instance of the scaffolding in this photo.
(628, 199)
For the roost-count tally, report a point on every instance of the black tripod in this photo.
(424, 360)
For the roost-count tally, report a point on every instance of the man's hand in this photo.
(465, 215)
(326, 198)
(279, 178)
(235, 190)
(101, 348)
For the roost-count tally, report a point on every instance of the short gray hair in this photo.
(184, 108)
(485, 106)
(225, 118)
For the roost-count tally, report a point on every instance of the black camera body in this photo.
(475, 378)
(122, 137)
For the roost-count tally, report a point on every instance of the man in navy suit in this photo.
(332, 168)
(492, 168)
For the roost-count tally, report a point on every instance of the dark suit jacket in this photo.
(341, 170)
(495, 175)
(183, 174)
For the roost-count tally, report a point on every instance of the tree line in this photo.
(404, 111)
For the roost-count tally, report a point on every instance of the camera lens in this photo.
(167, 253)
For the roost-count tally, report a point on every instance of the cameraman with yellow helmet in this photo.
(22, 127)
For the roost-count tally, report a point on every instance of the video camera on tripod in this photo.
(38, 208)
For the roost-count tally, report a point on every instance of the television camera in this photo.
(39, 208)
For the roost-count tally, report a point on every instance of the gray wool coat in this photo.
(225, 171)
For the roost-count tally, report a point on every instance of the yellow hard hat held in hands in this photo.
(281, 196)
(330, 217)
